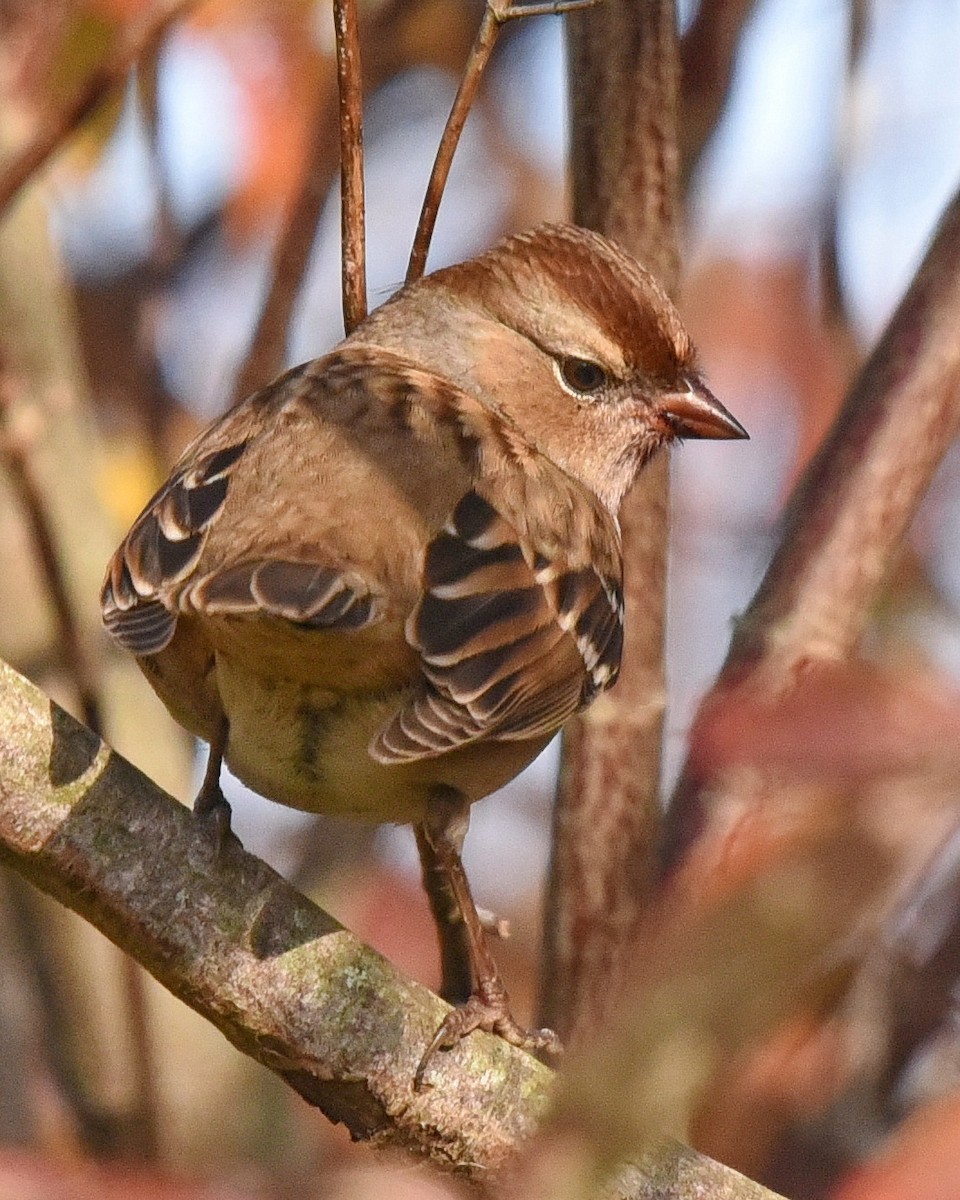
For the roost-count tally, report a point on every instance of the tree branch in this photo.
(353, 239)
(496, 13)
(623, 81)
(279, 977)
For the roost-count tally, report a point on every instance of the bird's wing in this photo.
(512, 640)
(513, 618)
(288, 508)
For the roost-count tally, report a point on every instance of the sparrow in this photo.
(379, 586)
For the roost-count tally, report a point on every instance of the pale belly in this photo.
(306, 747)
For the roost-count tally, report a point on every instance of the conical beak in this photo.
(696, 413)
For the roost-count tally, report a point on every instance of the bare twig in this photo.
(623, 80)
(353, 239)
(496, 13)
(140, 41)
(845, 521)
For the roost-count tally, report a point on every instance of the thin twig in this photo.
(353, 237)
(138, 42)
(15, 455)
(495, 15)
(844, 524)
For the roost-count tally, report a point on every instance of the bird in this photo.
(380, 585)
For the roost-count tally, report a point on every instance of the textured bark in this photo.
(279, 977)
(623, 81)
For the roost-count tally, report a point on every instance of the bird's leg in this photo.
(210, 806)
(456, 982)
(488, 1005)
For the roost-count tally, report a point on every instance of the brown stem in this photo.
(845, 521)
(139, 42)
(494, 16)
(623, 81)
(350, 82)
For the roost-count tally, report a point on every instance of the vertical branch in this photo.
(624, 83)
(350, 82)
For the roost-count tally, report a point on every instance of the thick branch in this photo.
(277, 976)
(845, 521)
(623, 79)
(280, 978)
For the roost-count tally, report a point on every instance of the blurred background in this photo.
(134, 272)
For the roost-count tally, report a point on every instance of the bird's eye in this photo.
(582, 376)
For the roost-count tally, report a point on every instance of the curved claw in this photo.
(487, 1009)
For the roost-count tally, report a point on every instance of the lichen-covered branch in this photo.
(275, 974)
(280, 978)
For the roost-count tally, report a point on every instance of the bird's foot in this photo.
(212, 811)
(488, 1009)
